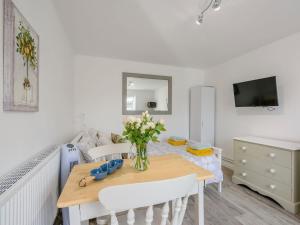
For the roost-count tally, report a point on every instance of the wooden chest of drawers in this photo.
(270, 167)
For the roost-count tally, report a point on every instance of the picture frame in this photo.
(20, 62)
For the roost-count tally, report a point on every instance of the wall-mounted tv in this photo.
(255, 93)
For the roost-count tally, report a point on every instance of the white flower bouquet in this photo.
(139, 131)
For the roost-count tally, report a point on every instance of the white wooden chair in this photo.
(112, 151)
(134, 197)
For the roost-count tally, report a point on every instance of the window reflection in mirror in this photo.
(147, 94)
(143, 93)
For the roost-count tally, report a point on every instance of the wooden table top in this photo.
(161, 167)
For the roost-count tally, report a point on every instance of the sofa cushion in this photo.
(91, 138)
(117, 139)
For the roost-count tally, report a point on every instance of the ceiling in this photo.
(164, 31)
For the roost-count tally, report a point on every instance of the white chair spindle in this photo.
(183, 209)
(177, 211)
(149, 215)
(130, 217)
(165, 214)
(114, 220)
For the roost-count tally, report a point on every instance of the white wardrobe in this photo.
(202, 114)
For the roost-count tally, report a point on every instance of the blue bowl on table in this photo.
(102, 171)
(119, 163)
(104, 167)
(98, 173)
(109, 167)
(112, 166)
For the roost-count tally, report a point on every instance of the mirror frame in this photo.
(146, 76)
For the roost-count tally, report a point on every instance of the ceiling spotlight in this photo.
(199, 20)
(216, 5)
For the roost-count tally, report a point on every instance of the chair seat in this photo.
(140, 215)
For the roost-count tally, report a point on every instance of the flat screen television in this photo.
(255, 93)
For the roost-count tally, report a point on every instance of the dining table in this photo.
(83, 202)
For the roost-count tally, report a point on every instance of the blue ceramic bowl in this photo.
(112, 166)
(119, 163)
(98, 173)
(104, 167)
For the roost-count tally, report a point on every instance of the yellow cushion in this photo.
(176, 143)
(203, 152)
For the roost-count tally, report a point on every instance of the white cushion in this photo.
(104, 138)
(84, 143)
(90, 139)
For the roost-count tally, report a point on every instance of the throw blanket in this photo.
(210, 163)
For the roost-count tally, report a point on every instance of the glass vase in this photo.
(140, 160)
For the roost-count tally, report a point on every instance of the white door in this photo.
(195, 113)
(202, 114)
(208, 115)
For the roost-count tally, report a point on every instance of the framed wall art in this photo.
(21, 62)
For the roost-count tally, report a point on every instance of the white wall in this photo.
(23, 134)
(281, 58)
(98, 92)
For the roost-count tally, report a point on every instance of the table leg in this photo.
(74, 215)
(220, 187)
(200, 200)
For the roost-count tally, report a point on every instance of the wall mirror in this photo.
(143, 92)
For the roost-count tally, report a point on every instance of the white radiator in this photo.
(28, 194)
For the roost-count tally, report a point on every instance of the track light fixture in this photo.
(199, 19)
(214, 4)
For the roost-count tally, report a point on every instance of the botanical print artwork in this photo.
(21, 43)
(27, 50)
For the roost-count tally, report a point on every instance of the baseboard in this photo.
(228, 163)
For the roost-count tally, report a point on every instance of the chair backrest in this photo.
(132, 196)
(110, 150)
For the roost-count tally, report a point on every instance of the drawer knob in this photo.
(272, 186)
(272, 155)
(244, 174)
(244, 148)
(272, 171)
(244, 161)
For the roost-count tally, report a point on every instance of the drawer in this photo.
(267, 184)
(276, 155)
(264, 153)
(241, 147)
(266, 168)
